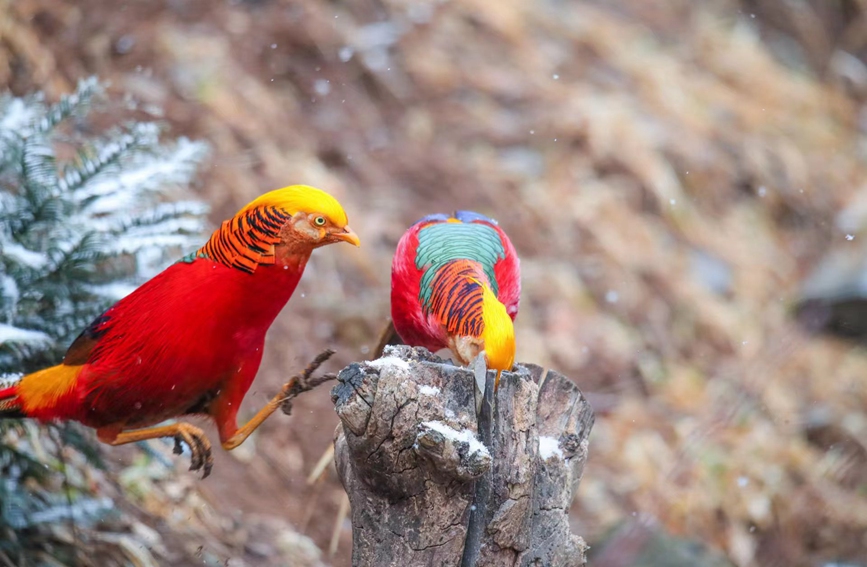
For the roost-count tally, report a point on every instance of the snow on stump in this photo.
(428, 486)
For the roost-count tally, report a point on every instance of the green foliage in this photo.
(76, 234)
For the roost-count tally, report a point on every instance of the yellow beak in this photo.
(348, 236)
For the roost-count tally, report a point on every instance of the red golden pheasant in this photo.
(190, 340)
(456, 284)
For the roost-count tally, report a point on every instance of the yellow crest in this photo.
(301, 198)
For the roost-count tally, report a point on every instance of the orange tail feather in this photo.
(38, 394)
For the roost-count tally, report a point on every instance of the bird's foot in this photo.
(200, 448)
(303, 382)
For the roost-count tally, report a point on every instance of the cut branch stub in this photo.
(425, 490)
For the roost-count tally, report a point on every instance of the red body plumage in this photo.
(418, 325)
(196, 327)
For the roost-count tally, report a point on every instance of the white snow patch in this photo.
(390, 362)
(464, 435)
(428, 390)
(17, 115)
(22, 255)
(549, 447)
(8, 333)
(9, 290)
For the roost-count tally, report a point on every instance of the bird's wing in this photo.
(440, 243)
(81, 349)
(507, 271)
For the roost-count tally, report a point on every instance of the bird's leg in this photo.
(296, 385)
(241, 435)
(200, 446)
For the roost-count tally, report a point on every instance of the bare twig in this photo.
(321, 464)
(342, 512)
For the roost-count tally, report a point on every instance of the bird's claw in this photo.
(303, 382)
(200, 448)
(289, 391)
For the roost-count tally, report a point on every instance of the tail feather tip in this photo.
(9, 406)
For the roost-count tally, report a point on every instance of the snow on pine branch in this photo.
(74, 104)
(8, 333)
(144, 173)
(22, 255)
(17, 115)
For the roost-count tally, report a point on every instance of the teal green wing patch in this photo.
(192, 256)
(443, 242)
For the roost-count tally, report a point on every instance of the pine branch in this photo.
(38, 169)
(77, 103)
(92, 161)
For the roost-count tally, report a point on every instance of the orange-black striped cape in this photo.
(442, 268)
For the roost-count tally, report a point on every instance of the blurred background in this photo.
(679, 178)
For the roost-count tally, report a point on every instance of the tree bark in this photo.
(425, 490)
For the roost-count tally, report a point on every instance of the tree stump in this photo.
(427, 487)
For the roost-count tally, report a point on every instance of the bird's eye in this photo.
(319, 221)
